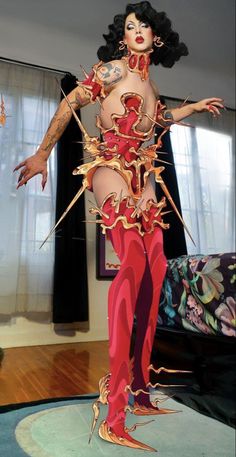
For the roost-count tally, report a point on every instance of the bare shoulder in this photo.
(155, 89)
(111, 72)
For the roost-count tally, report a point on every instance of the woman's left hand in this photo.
(211, 105)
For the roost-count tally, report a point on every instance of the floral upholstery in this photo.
(199, 294)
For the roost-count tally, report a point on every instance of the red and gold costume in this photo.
(136, 235)
(122, 151)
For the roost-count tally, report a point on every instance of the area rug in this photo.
(60, 428)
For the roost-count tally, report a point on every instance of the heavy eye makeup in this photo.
(130, 26)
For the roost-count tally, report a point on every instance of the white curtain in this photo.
(26, 215)
(205, 167)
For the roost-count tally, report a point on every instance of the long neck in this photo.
(138, 62)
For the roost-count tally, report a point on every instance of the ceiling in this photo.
(206, 26)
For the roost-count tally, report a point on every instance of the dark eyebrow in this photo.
(140, 22)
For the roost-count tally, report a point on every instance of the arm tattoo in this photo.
(167, 115)
(105, 70)
(113, 82)
(117, 71)
(62, 122)
(110, 74)
(79, 100)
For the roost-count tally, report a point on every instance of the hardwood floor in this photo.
(39, 372)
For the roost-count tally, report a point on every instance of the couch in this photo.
(196, 331)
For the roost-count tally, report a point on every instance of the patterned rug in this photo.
(60, 428)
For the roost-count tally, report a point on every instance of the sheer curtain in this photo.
(205, 167)
(31, 97)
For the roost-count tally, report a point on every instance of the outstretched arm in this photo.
(211, 105)
(37, 163)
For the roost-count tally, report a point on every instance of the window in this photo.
(26, 272)
(204, 167)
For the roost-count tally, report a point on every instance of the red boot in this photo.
(146, 321)
(147, 313)
(127, 241)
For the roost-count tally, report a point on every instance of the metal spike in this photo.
(160, 181)
(84, 72)
(135, 212)
(79, 193)
(162, 152)
(163, 161)
(96, 221)
(166, 212)
(99, 101)
(83, 130)
(183, 103)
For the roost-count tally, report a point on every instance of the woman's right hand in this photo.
(32, 166)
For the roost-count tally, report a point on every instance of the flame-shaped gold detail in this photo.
(137, 211)
(106, 433)
(2, 112)
(142, 410)
(138, 134)
(166, 370)
(103, 394)
(138, 424)
(157, 384)
(89, 89)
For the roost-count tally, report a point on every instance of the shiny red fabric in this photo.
(119, 136)
(142, 269)
(94, 86)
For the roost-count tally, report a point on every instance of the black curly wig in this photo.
(167, 55)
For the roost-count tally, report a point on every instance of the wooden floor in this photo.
(39, 372)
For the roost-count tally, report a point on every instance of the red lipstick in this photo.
(139, 39)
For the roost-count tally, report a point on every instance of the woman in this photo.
(119, 176)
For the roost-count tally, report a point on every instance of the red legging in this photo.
(147, 311)
(122, 297)
(138, 255)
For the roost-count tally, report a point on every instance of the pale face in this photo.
(138, 35)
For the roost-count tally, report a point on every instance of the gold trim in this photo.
(106, 433)
(141, 136)
(144, 73)
(123, 219)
